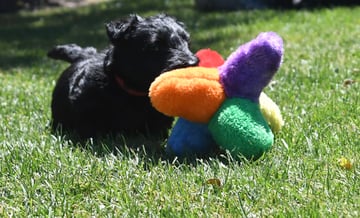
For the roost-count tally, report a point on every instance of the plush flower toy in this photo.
(223, 107)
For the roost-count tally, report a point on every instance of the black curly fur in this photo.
(88, 100)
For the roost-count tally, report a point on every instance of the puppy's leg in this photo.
(71, 53)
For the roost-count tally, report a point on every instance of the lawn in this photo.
(317, 88)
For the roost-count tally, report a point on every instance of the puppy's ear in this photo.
(118, 30)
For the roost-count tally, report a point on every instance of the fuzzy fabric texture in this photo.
(193, 93)
(239, 127)
(209, 58)
(195, 139)
(238, 124)
(190, 139)
(271, 112)
(250, 68)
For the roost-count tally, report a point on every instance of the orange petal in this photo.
(193, 93)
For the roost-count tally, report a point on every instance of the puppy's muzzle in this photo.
(189, 58)
(193, 61)
(182, 58)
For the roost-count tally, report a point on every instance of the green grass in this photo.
(46, 175)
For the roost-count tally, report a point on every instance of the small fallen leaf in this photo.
(345, 163)
(214, 181)
(348, 82)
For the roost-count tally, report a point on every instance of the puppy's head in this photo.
(146, 47)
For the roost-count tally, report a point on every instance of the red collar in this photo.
(130, 91)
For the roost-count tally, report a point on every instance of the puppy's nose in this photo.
(194, 61)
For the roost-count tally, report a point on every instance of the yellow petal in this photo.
(271, 112)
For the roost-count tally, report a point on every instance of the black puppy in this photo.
(107, 92)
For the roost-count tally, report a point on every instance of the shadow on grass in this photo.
(25, 38)
(151, 150)
(140, 146)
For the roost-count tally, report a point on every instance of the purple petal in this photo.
(250, 68)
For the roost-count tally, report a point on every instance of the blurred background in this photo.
(15, 5)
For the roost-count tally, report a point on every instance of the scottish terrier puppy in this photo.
(107, 92)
